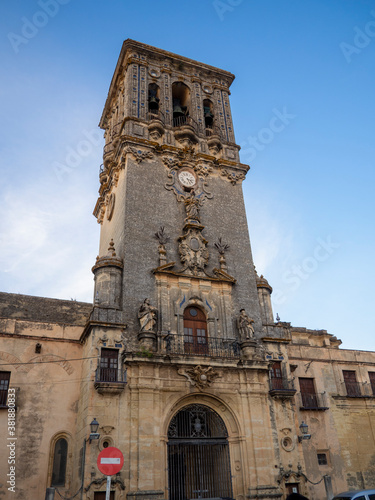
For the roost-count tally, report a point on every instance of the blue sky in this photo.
(310, 191)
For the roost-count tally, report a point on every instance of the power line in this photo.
(51, 361)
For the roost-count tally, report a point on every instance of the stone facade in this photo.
(179, 358)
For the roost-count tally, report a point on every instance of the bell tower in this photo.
(171, 196)
(176, 339)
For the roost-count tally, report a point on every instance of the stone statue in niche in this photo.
(147, 316)
(245, 326)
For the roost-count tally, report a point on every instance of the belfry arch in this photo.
(198, 455)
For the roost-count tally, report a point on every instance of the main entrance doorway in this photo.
(198, 455)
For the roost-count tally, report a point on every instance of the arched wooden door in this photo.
(195, 331)
(198, 455)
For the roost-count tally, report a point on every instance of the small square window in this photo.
(322, 459)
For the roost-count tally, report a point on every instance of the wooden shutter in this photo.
(108, 365)
(308, 393)
(351, 384)
(195, 331)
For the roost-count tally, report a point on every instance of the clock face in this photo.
(187, 178)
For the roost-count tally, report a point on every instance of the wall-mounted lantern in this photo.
(304, 428)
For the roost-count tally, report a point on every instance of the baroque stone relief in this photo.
(193, 252)
(232, 176)
(222, 247)
(173, 184)
(200, 377)
(139, 154)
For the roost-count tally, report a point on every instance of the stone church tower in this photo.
(179, 311)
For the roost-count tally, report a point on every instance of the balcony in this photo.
(213, 347)
(281, 388)
(313, 401)
(110, 380)
(156, 114)
(214, 130)
(186, 128)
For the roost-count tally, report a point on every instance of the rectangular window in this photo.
(372, 381)
(188, 332)
(308, 393)
(322, 459)
(109, 365)
(4, 386)
(351, 384)
(201, 336)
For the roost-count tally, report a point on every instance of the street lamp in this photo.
(94, 430)
(94, 426)
(304, 431)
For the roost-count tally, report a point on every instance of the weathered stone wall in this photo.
(46, 385)
(344, 430)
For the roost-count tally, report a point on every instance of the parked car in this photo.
(356, 495)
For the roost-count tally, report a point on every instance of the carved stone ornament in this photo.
(138, 154)
(173, 184)
(202, 169)
(110, 205)
(193, 252)
(261, 353)
(199, 376)
(101, 214)
(147, 315)
(163, 239)
(222, 247)
(161, 236)
(234, 177)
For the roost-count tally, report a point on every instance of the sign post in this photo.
(110, 462)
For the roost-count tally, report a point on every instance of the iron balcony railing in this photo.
(156, 114)
(281, 384)
(111, 375)
(214, 130)
(353, 389)
(313, 401)
(200, 346)
(183, 120)
(358, 389)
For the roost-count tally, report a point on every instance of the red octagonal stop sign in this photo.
(110, 461)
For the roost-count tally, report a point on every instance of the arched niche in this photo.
(181, 103)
